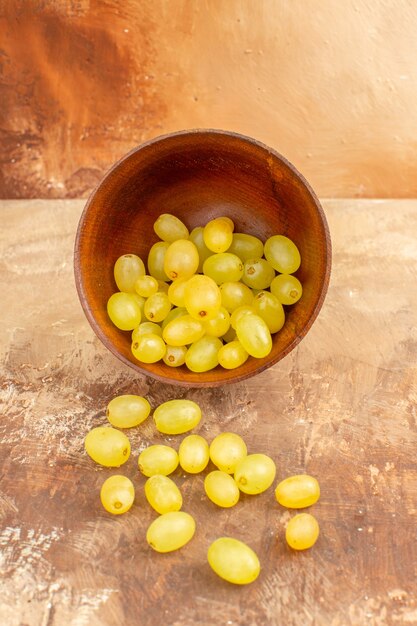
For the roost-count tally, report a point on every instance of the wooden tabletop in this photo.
(341, 406)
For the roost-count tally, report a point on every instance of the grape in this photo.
(223, 267)
(234, 295)
(268, 307)
(202, 297)
(218, 235)
(233, 561)
(255, 473)
(158, 459)
(221, 489)
(170, 228)
(196, 236)
(202, 355)
(141, 302)
(163, 286)
(177, 311)
(107, 446)
(182, 331)
(117, 494)
(157, 307)
(257, 273)
(170, 531)
(174, 356)
(181, 259)
(156, 258)
(246, 246)
(298, 492)
(219, 325)
(176, 291)
(177, 416)
(240, 312)
(146, 285)
(254, 335)
(286, 288)
(232, 355)
(149, 348)
(127, 411)
(126, 271)
(163, 494)
(226, 450)
(124, 310)
(194, 454)
(144, 329)
(282, 254)
(302, 531)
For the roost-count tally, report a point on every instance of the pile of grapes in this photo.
(210, 297)
(237, 471)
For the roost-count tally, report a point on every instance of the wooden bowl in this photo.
(198, 175)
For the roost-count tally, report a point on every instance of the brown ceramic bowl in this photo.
(198, 175)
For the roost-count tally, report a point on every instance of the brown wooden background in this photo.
(332, 85)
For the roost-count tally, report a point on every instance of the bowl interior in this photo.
(199, 175)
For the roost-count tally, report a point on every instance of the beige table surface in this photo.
(341, 406)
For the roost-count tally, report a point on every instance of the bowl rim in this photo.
(79, 278)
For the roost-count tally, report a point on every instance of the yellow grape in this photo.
(232, 355)
(174, 355)
(182, 331)
(163, 286)
(196, 236)
(218, 235)
(257, 273)
(127, 411)
(298, 492)
(218, 325)
(107, 446)
(282, 254)
(268, 307)
(255, 473)
(157, 307)
(117, 494)
(223, 267)
(246, 246)
(254, 335)
(202, 355)
(177, 416)
(193, 454)
(149, 348)
(202, 297)
(158, 459)
(144, 329)
(234, 295)
(163, 494)
(221, 489)
(124, 310)
(233, 561)
(126, 271)
(226, 450)
(156, 258)
(286, 288)
(146, 285)
(170, 531)
(176, 291)
(177, 311)
(181, 259)
(240, 312)
(170, 228)
(302, 531)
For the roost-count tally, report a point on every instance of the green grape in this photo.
(163, 494)
(226, 450)
(146, 286)
(107, 446)
(246, 246)
(157, 307)
(232, 355)
(298, 492)
(175, 417)
(254, 335)
(202, 355)
(234, 295)
(170, 531)
(126, 271)
(194, 454)
(145, 328)
(175, 356)
(127, 411)
(229, 336)
(218, 325)
(222, 489)
(282, 254)
(286, 288)
(255, 473)
(163, 286)
(257, 273)
(177, 311)
(196, 236)
(233, 561)
(202, 297)
(246, 309)
(149, 348)
(117, 494)
(302, 531)
(268, 307)
(176, 291)
(156, 258)
(218, 235)
(182, 331)
(158, 459)
(170, 228)
(181, 259)
(124, 310)
(223, 267)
